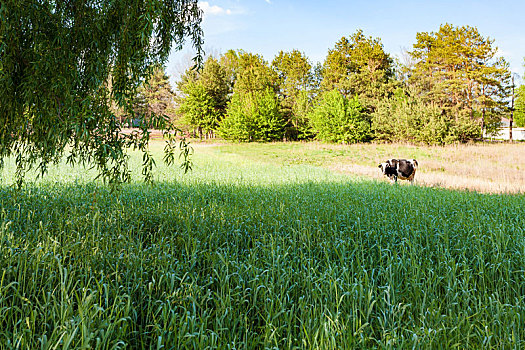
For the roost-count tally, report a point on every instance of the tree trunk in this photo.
(511, 119)
(483, 124)
(483, 114)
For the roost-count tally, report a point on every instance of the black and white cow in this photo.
(405, 169)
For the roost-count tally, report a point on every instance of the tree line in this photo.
(451, 88)
(73, 74)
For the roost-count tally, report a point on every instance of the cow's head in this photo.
(383, 167)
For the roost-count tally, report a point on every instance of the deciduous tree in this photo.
(56, 58)
(339, 119)
(204, 97)
(519, 107)
(295, 87)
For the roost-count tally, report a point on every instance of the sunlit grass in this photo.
(248, 254)
(484, 167)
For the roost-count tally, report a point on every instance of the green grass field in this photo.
(253, 252)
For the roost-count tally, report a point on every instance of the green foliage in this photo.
(198, 108)
(253, 74)
(230, 62)
(359, 66)
(295, 86)
(204, 97)
(519, 106)
(294, 71)
(408, 118)
(190, 76)
(299, 127)
(459, 88)
(213, 78)
(464, 128)
(56, 59)
(155, 96)
(456, 69)
(253, 117)
(317, 78)
(338, 119)
(253, 113)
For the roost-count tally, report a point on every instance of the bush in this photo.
(409, 119)
(519, 113)
(338, 119)
(253, 117)
(299, 127)
(198, 108)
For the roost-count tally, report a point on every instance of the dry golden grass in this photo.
(490, 168)
(486, 167)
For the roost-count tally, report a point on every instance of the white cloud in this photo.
(211, 10)
(268, 1)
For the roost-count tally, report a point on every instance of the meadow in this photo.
(483, 167)
(261, 246)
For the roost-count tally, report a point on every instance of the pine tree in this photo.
(155, 97)
(198, 109)
(339, 119)
(358, 65)
(253, 113)
(253, 117)
(456, 69)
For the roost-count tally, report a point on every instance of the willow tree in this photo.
(64, 63)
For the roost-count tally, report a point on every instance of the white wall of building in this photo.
(518, 134)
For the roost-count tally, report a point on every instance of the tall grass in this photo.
(249, 255)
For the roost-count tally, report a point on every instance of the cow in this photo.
(405, 169)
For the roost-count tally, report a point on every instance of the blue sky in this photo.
(313, 27)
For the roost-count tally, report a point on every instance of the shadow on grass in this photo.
(326, 264)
